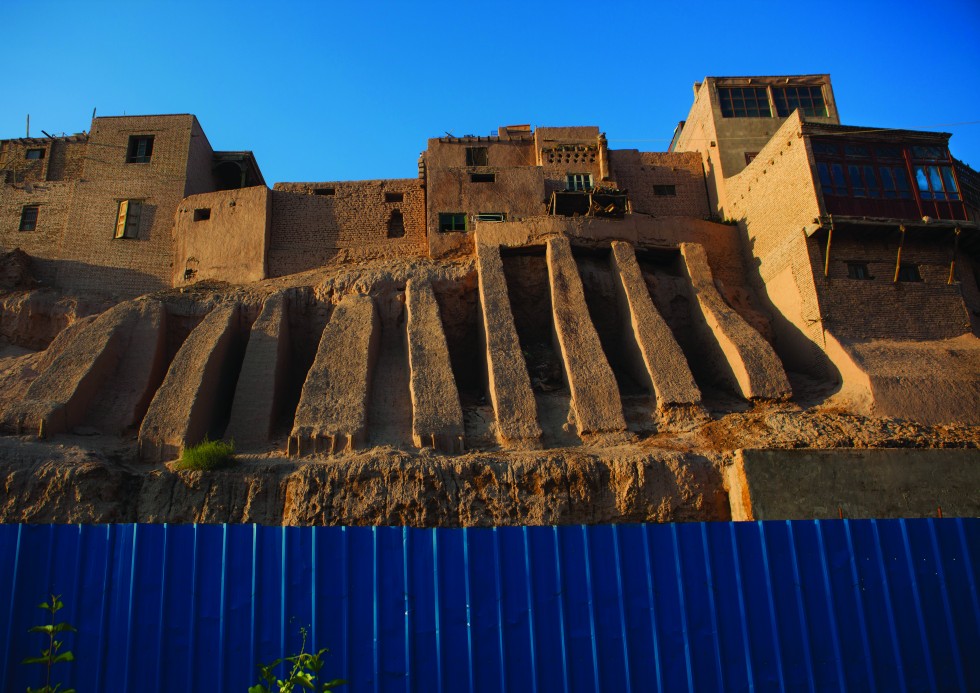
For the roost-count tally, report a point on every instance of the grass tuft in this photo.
(207, 455)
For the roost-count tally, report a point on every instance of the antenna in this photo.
(28, 125)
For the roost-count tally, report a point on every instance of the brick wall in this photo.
(43, 244)
(309, 230)
(638, 172)
(92, 259)
(774, 201)
(200, 178)
(17, 167)
(67, 158)
(564, 150)
(879, 308)
(696, 136)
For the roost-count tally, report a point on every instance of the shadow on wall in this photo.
(106, 280)
(795, 349)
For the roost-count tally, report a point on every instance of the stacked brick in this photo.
(314, 223)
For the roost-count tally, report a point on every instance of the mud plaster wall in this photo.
(92, 259)
(638, 172)
(879, 308)
(309, 230)
(517, 192)
(231, 244)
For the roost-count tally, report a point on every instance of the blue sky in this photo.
(343, 90)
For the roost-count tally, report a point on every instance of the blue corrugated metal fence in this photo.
(822, 605)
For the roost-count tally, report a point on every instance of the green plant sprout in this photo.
(208, 455)
(52, 654)
(305, 669)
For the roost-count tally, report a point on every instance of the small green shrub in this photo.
(51, 654)
(303, 670)
(207, 455)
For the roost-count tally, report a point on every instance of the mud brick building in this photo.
(533, 278)
(96, 210)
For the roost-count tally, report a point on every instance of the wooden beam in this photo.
(898, 257)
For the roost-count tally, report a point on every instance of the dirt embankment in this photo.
(668, 477)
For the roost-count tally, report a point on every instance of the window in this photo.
(895, 182)
(665, 190)
(452, 221)
(864, 182)
(909, 273)
(323, 191)
(483, 178)
(394, 197)
(491, 216)
(140, 149)
(477, 156)
(34, 154)
(858, 270)
(128, 219)
(578, 181)
(936, 182)
(28, 218)
(202, 214)
(744, 102)
(809, 100)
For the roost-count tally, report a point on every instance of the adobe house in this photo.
(96, 210)
(534, 269)
(860, 239)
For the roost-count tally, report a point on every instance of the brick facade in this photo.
(315, 223)
(661, 183)
(78, 184)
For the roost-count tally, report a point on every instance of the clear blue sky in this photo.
(347, 90)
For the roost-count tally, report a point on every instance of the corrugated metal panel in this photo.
(823, 605)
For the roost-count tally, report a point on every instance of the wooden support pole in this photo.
(898, 257)
(826, 254)
(952, 263)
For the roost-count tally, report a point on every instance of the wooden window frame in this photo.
(29, 215)
(578, 182)
(781, 96)
(140, 149)
(453, 222)
(129, 214)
